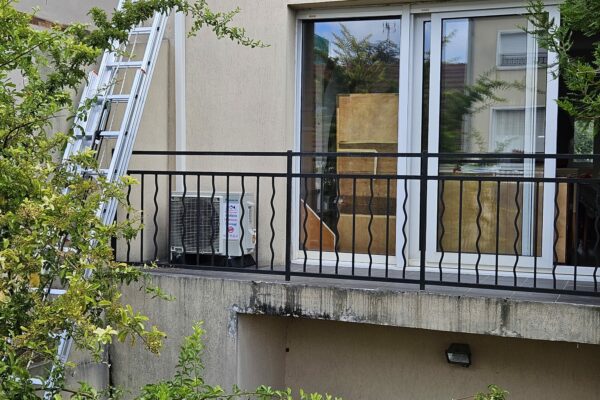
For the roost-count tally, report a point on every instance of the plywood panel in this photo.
(561, 222)
(367, 122)
(489, 218)
(367, 118)
(470, 210)
(361, 244)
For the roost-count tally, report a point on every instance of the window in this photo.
(482, 109)
(509, 127)
(512, 50)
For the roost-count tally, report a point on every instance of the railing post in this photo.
(288, 216)
(423, 218)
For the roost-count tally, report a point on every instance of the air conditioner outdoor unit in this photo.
(199, 226)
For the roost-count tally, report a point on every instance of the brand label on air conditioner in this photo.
(233, 228)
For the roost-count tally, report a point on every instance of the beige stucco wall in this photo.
(64, 11)
(157, 128)
(360, 361)
(242, 99)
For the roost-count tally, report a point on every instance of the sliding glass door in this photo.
(489, 88)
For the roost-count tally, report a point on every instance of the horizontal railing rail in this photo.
(465, 220)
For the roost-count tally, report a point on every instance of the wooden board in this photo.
(367, 118)
(367, 122)
(361, 241)
(313, 228)
(489, 220)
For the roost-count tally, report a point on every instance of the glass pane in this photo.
(350, 76)
(493, 96)
(425, 91)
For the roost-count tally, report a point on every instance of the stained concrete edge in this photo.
(538, 320)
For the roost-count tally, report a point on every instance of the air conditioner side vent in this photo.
(191, 227)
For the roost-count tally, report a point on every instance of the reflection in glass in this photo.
(350, 75)
(493, 96)
(493, 87)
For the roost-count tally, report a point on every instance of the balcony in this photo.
(489, 224)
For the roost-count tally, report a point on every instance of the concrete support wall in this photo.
(251, 350)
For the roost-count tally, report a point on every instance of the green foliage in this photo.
(188, 383)
(579, 73)
(494, 393)
(584, 138)
(361, 63)
(50, 236)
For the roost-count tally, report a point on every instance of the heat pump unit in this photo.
(202, 224)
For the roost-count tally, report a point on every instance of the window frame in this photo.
(403, 13)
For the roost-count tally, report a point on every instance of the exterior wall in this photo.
(359, 361)
(65, 11)
(343, 358)
(236, 99)
(242, 99)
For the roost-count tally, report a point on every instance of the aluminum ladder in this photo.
(117, 93)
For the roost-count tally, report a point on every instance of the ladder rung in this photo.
(142, 30)
(83, 134)
(91, 172)
(115, 98)
(57, 292)
(125, 64)
(67, 249)
(110, 134)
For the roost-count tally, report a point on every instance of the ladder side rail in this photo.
(124, 155)
(80, 125)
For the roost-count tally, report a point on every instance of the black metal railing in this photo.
(492, 221)
(520, 59)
